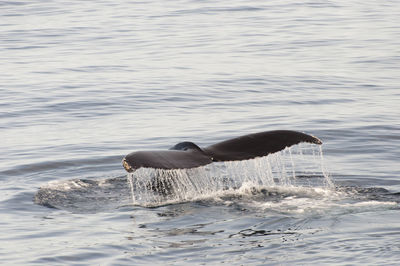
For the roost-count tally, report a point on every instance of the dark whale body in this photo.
(188, 155)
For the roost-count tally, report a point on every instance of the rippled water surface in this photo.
(83, 83)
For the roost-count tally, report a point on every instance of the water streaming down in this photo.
(300, 166)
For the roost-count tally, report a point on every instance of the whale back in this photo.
(185, 146)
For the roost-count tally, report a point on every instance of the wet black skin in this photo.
(186, 155)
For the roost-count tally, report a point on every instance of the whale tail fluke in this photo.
(188, 155)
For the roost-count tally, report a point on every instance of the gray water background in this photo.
(83, 83)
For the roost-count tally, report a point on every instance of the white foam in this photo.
(66, 185)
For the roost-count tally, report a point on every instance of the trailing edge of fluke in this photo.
(188, 155)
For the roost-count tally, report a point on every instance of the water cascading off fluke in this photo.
(298, 166)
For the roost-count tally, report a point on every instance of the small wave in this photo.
(59, 164)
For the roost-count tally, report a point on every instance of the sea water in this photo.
(83, 83)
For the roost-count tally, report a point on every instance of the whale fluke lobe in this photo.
(169, 159)
(257, 145)
(189, 155)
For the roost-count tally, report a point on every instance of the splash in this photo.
(84, 195)
(299, 166)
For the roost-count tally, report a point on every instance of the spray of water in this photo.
(299, 166)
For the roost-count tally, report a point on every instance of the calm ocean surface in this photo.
(84, 83)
